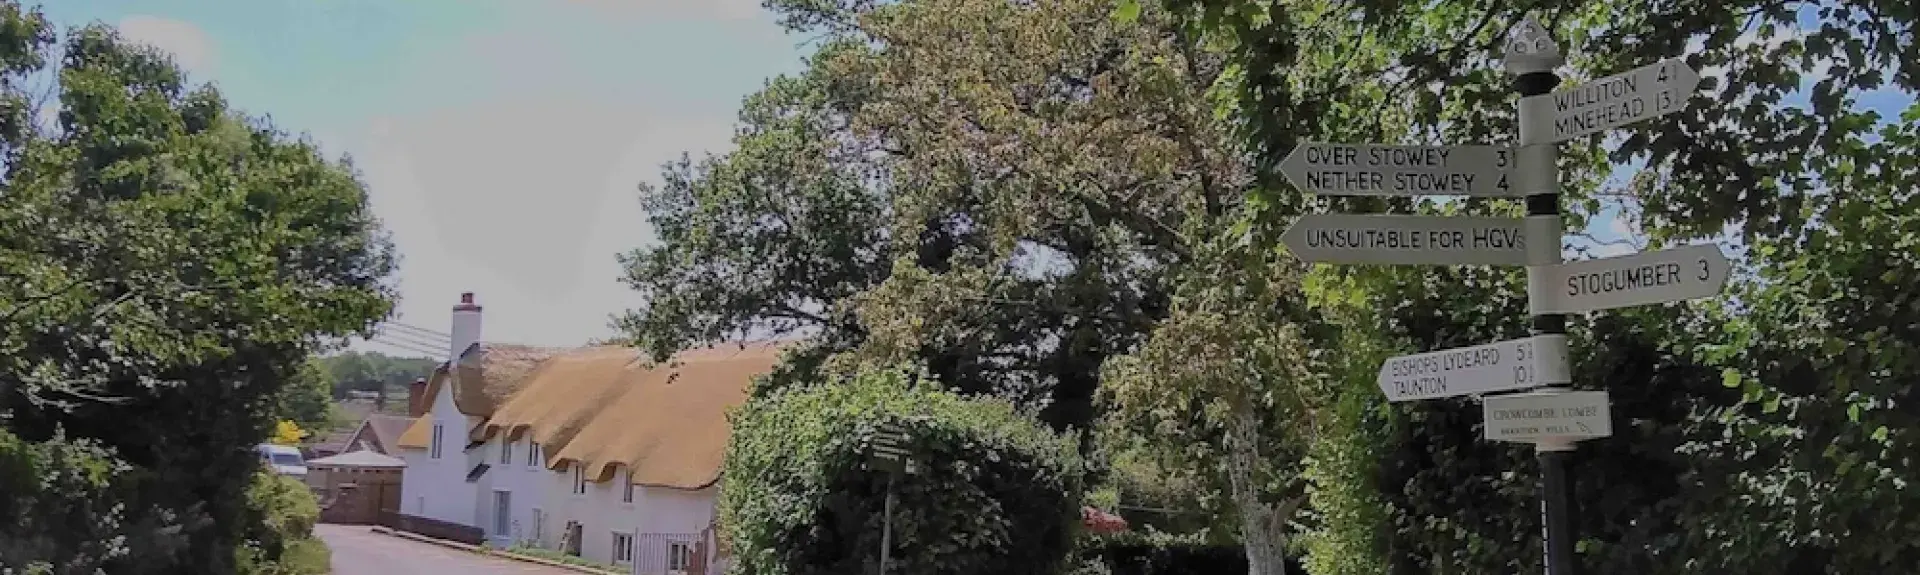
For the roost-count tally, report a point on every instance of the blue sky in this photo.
(502, 140)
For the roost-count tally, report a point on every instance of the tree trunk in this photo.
(1263, 533)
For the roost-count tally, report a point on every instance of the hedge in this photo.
(994, 491)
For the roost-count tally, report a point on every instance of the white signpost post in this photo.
(1389, 170)
(1502, 366)
(1407, 240)
(1645, 278)
(1530, 417)
(1608, 103)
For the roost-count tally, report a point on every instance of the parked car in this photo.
(282, 459)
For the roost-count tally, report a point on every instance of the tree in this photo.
(1063, 175)
(170, 265)
(307, 400)
(287, 433)
(373, 371)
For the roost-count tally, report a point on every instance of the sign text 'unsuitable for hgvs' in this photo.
(1502, 366)
(1407, 240)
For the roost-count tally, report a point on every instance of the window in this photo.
(533, 454)
(679, 557)
(438, 431)
(626, 487)
(579, 479)
(622, 548)
(506, 451)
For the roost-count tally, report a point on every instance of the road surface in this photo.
(357, 551)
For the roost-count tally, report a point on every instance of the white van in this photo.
(282, 459)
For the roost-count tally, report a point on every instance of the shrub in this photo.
(993, 492)
(281, 512)
(1155, 553)
(59, 506)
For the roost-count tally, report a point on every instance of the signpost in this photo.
(1531, 417)
(1608, 103)
(889, 455)
(1389, 170)
(1503, 366)
(1550, 416)
(1645, 278)
(1407, 240)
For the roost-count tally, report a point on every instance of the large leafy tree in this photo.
(169, 265)
(1066, 178)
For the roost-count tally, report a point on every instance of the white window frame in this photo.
(679, 556)
(622, 554)
(579, 479)
(626, 486)
(533, 454)
(506, 451)
(439, 433)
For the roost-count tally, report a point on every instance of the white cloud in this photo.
(526, 202)
(189, 45)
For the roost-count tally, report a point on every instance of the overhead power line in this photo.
(409, 347)
(417, 330)
(406, 338)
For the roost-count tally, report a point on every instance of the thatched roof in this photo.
(487, 375)
(608, 408)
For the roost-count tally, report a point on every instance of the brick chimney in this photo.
(466, 326)
(417, 401)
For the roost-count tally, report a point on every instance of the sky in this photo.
(502, 140)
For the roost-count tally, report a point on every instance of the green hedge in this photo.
(1135, 553)
(994, 493)
(279, 536)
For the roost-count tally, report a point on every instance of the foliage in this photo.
(56, 498)
(169, 265)
(1029, 186)
(1156, 553)
(557, 556)
(373, 371)
(286, 432)
(281, 515)
(992, 491)
(307, 399)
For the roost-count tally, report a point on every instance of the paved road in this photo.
(357, 551)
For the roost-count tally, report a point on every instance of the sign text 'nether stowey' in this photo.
(1394, 170)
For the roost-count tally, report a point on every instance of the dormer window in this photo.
(579, 479)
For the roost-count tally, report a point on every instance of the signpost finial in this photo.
(1530, 48)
